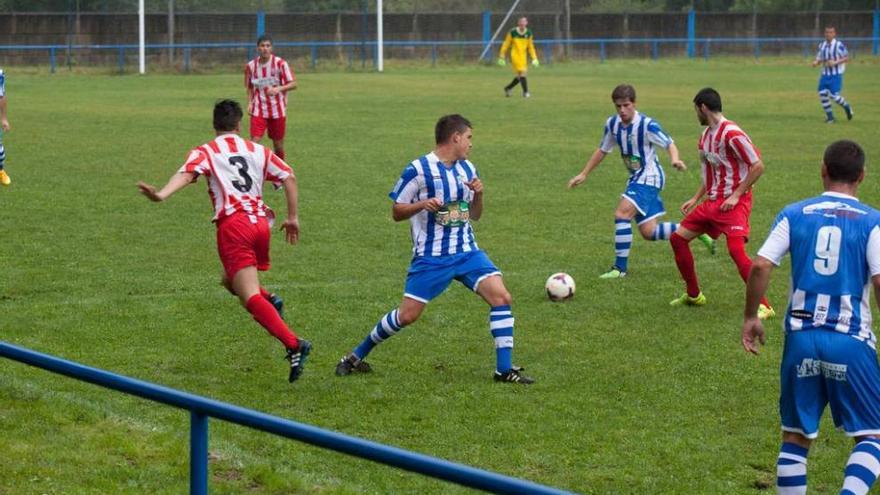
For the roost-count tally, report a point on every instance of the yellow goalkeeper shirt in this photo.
(518, 43)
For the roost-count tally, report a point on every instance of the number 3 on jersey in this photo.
(827, 250)
(240, 163)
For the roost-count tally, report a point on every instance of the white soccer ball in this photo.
(559, 287)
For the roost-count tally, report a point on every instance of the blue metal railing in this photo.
(691, 45)
(201, 408)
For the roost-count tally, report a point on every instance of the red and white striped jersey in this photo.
(727, 154)
(259, 78)
(235, 169)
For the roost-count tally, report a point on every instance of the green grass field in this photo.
(633, 396)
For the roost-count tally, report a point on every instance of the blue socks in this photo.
(861, 468)
(664, 231)
(385, 329)
(791, 470)
(501, 326)
(623, 238)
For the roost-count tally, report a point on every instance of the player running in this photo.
(268, 78)
(440, 193)
(832, 56)
(235, 170)
(636, 135)
(519, 41)
(731, 164)
(4, 126)
(830, 355)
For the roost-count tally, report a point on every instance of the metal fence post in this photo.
(654, 50)
(487, 32)
(757, 49)
(121, 60)
(548, 53)
(692, 29)
(706, 50)
(261, 23)
(198, 454)
(52, 60)
(434, 55)
(314, 56)
(187, 52)
(601, 51)
(876, 50)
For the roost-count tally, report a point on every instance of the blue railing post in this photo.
(261, 23)
(757, 49)
(121, 60)
(52, 60)
(187, 53)
(654, 50)
(314, 56)
(198, 454)
(487, 32)
(876, 49)
(706, 50)
(692, 30)
(548, 53)
(434, 55)
(601, 51)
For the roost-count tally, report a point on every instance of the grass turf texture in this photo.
(633, 396)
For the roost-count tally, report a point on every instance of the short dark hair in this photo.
(844, 160)
(227, 115)
(264, 37)
(624, 92)
(449, 125)
(710, 98)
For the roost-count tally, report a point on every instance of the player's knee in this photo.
(503, 299)
(647, 231)
(677, 241)
(406, 316)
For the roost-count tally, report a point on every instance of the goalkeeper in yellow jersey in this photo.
(519, 40)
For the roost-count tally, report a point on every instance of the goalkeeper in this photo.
(519, 40)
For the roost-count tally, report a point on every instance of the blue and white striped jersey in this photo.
(449, 230)
(834, 242)
(636, 142)
(2, 84)
(832, 50)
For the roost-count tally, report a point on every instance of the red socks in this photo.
(685, 261)
(267, 316)
(736, 246)
(265, 293)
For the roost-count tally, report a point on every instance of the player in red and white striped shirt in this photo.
(268, 79)
(235, 170)
(731, 164)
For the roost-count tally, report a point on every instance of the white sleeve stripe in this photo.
(873, 251)
(777, 243)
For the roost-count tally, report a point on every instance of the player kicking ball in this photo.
(440, 193)
(731, 165)
(636, 135)
(235, 170)
(830, 356)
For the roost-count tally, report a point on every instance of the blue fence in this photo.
(202, 408)
(365, 52)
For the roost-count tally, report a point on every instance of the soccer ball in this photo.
(559, 287)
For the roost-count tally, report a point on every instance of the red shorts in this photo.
(276, 127)
(242, 244)
(707, 217)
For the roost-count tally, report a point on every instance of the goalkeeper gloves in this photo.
(501, 62)
(535, 62)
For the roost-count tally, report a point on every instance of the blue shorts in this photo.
(823, 367)
(429, 276)
(832, 83)
(647, 201)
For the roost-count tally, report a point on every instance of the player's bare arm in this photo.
(675, 158)
(291, 224)
(759, 278)
(755, 172)
(689, 204)
(4, 123)
(592, 163)
(175, 183)
(875, 281)
(476, 206)
(403, 211)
